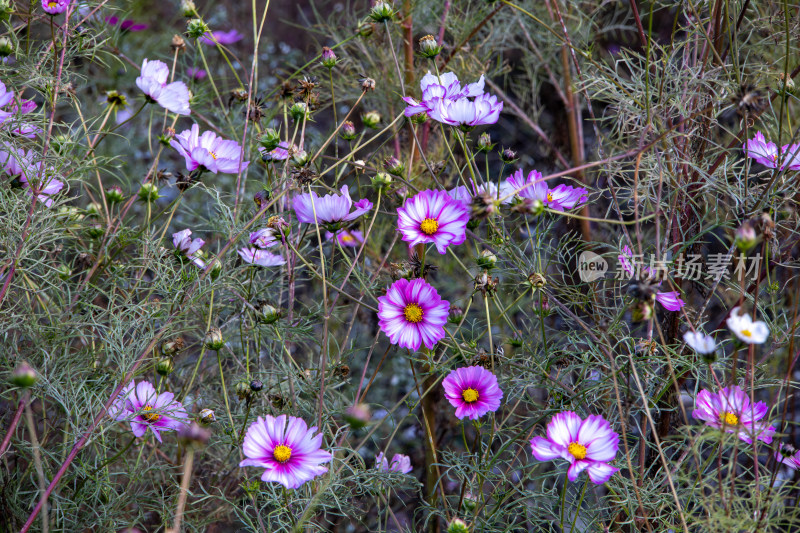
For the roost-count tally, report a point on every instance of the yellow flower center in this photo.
(150, 417)
(347, 238)
(747, 333)
(470, 395)
(52, 4)
(577, 450)
(282, 453)
(429, 226)
(730, 419)
(413, 313)
(213, 155)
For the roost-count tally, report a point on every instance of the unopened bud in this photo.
(268, 314)
(746, 237)
(188, 8)
(6, 47)
(114, 194)
(394, 166)
(64, 272)
(23, 376)
(457, 525)
(348, 131)
(329, 58)
(371, 119)
(428, 47)
(256, 385)
(456, 315)
(301, 158)
(165, 366)
(94, 210)
(95, 230)
(270, 139)
(358, 415)
(381, 181)
(486, 260)
(213, 339)
(788, 88)
(196, 28)
(508, 156)
(298, 110)
(381, 12)
(536, 280)
(243, 390)
(148, 192)
(172, 347)
(419, 118)
(484, 143)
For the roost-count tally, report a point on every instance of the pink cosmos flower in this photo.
(466, 113)
(437, 88)
(433, 216)
(330, 209)
(18, 163)
(412, 313)
(54, 7)
(126, 25)
(762, 151)
(346, 237)
(791, 156)
(188, 248)
(144, 408)
(559, 198)
(152, 81)
(264, 238)
(587, 444)
(787, 455)
(263, 258)
(287, 449)
(213, 153)
(670, 300)
(400, 463)
(730, 409)
(221, 37)
(473, 391)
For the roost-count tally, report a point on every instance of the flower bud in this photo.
(456, 315)
(329, 58)
(381, 12)
(419, 118)
(95, 230)
(268, 314)
(357, 415)
(207, 417)
(298, 110)
(371, 119)
(216, 268)
(486, 259)
(381, 181)
(348, 131)
(270, 139)
(428, 47)
(256, 385)
(394, 166)
(484, 143)
(457, 525)
(148, 192)
(196, 28)
(213, 339)
(301, 158)
(470, 502)
(193, 435)
(243, 390)
(23, 376)
(165, 366)
(188, 8)
(746, 237)
(114, 194)
(508, 156)
(788, 88)
(64, 272)
(6, 47)
(5, 10)
(172, 347)
(94, 210)
(542, 310)
(365, 30)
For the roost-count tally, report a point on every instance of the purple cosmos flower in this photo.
(18, 163)
(412, 313)
(433, 216)
(144, 408)
(587, 444)
(731, 409)
(54, 7)
(126, 25)
(152, 81)
(559, 198)
(280, 153)
(15, 161)
(485, 109)
(346, 237)
(290, 453)
(213, 153)
(45, 186)
(196, 73)
(762, 151)
(6, 98)
(221, 37)
(791, 156)
(473, 391)
(188, 248)
(787, 455)
(264, 238)
(400, 463)
(330, 209)
(438, 88)
(670, 300)
(263, 258)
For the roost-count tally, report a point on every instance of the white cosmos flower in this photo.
(748, 330)
(700, 342)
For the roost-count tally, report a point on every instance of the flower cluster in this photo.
(445, 101)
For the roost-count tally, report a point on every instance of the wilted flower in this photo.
(188, 248)
(144, 408)
(587, 444)
(206, 417)
(400, 463)
(329, 209)
(433, 217)
(221, 37)
(346, 237)
(367, 84)
(473, 391)
(259, 257)
(748, 330)
(286, 448)
(152, 81)
(55, 7)
(412, 313)
(208, 151)
(264, 238)
(730, 409)
(700, 342)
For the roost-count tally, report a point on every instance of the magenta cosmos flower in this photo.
(221, 37)
(731, 409)
(54, 7)
(412, 313)
(762, 151)
(330, 209)
(473, 391)
(587, 444)
(152, 81)
(263, 258)
(144, 408)
(346, 237)
(208, 151)
(126, 25)
(187, 248)
(534, 188)
(433, 216)
(788, 455)
(290, 453)
(791, 156)
(196, 73)
(400, 463)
